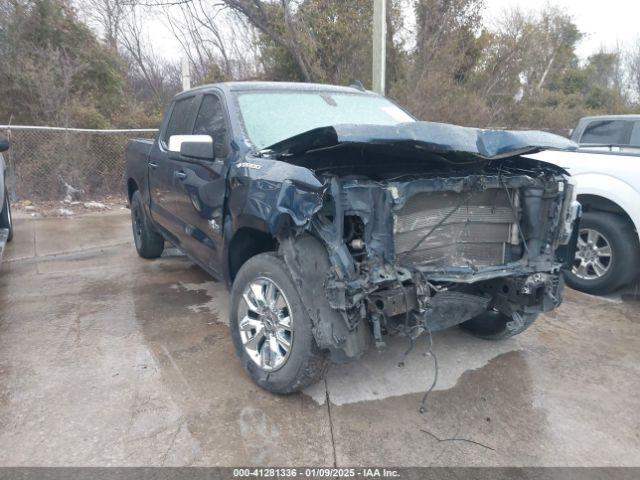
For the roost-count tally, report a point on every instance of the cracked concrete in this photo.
(109, 359)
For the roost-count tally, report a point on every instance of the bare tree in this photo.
(633, 69)
(159, 75)
(108, 16)
(214, 38)
(229, 34)
(269, 18)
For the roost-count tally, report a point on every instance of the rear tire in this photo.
(149, 243)
(291, 368)
(6, 220)
(621, 265)
(493, 325)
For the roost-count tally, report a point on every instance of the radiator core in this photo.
(462, 229)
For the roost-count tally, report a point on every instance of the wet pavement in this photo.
(109, 359)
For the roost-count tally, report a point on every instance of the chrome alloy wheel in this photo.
(593, 255)
(264, 321)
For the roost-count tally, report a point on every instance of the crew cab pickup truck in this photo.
(606, 170)
(336, 218)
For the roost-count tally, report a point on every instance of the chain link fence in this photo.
(46, 163)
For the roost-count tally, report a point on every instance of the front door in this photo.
(200, 186)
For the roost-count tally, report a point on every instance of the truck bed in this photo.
(137, 158)
(138, 149)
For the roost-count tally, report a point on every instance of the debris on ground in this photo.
(67, 207)
(96, 205)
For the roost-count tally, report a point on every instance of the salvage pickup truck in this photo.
(335, 218)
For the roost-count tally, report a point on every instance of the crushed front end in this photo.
(417, 246)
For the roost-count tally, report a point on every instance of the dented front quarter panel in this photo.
(273, 196)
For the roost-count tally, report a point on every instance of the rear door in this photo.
(200, 185)
(164, 196)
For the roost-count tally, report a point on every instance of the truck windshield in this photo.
(270, 117)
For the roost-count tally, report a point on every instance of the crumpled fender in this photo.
(309, 264)
(274, 194)
(279, 202)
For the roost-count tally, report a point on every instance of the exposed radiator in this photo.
(478, 229)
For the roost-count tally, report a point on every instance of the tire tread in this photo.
(315, 362)
(151, 242)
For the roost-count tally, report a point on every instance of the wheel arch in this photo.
(132, 186)
(609, 194)
(596, 203)
(245, 243)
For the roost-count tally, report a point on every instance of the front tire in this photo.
(494, 325)
(271, 329)
(149, 243)
(6, 220)
(607, 256)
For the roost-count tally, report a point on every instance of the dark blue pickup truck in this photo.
(336, 218)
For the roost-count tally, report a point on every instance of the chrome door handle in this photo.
(153, 165)
(181, 175)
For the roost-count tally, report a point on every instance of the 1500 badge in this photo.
(249, 165)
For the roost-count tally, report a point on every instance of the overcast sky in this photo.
(604, 22)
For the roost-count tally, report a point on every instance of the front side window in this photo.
(211, 121)
(270, 117)
(606, 132)
(181, 118)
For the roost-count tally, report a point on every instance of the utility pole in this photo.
(379, 45)
(186, 75)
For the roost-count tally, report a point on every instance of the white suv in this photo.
(606, 170)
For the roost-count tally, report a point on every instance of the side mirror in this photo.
(192, 146)
(4, 144)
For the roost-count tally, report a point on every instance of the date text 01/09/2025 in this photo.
(316, 472)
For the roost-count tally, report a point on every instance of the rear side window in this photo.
(607, 132)
(211, 121)
(181, 118)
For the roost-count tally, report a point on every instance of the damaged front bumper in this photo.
(417, 226)
(431, 253)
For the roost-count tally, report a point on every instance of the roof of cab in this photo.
(256, 85)
(611, 117)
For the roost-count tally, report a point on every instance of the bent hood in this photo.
(438, 138)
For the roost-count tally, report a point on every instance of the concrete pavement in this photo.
(109, 359)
